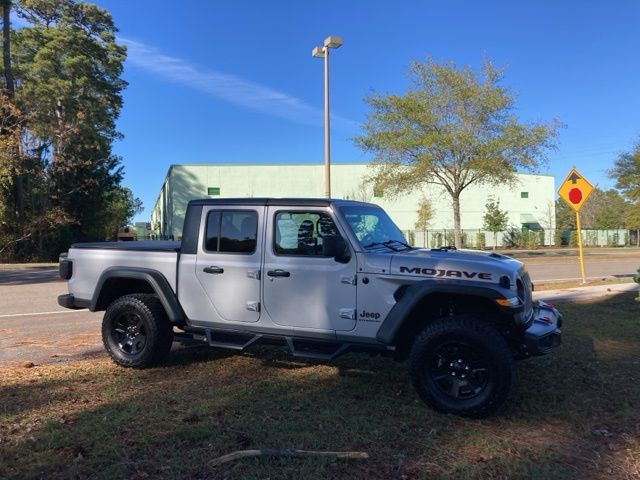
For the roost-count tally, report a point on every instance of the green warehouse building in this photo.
(529, 203)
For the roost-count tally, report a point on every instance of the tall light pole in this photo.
(323, 52)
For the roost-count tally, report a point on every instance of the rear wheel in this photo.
(462, 365)
(136, 331)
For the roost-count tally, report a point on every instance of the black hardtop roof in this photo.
(287, 202)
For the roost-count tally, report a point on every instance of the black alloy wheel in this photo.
(128, 333)
(458, 370)
(136, 331)
(462, 365)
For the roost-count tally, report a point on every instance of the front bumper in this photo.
(544, 334)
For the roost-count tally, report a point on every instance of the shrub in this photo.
(450, 239)
(614, 240)
(557, 237)
(573, 238)
(481, 240)
(636, 278)
(511, 237)
(527, 239)
(464, 239)
(436, 240)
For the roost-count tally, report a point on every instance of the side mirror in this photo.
(336, 247)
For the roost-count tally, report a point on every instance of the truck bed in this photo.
(91, 260)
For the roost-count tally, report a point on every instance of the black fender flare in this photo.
(416, 292)
(155, 279)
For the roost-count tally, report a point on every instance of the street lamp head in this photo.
(318, 52)
(332, 41)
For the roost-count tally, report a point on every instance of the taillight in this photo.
(66, 269)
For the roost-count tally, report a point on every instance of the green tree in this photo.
(10, 123)
(604, 209)
(632, 219)
(424, 215)
(67, 68)
(454, 128)
(626, 173)
(423, 218)
(495, 220)
(122, 206)
(565, 217)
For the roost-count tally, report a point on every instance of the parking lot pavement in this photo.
(34, 328)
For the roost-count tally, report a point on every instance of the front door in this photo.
(228, 263)
(302, 286)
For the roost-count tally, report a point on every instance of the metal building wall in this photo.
(186, 182)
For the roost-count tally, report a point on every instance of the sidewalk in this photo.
(569, 252)
(584, 293)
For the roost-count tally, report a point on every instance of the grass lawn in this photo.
(575, 414)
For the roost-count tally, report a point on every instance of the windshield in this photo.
(373, 227)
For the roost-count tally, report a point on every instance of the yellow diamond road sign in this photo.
(575, 190)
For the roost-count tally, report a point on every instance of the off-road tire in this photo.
(477, 340)
(152, 321)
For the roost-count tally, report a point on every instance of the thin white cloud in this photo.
(230, 88)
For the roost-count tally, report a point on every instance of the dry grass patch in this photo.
(576, 414)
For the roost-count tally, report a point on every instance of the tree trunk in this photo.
(456, 221)
(6, 48)
(16, 179)
(638, 238)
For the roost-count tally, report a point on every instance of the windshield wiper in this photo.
(387, 244)
(381, 244)
(397, 241)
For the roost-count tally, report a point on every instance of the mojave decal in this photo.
(438, 272)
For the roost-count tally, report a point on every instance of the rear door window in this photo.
(231, 231)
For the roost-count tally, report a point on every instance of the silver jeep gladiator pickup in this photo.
(321, 277)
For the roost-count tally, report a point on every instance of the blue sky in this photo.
(235, 81)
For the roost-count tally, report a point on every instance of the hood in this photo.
(472, 265)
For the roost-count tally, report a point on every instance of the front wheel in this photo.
(462, 365)
(136, 331)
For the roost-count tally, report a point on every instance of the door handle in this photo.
(278, 273)
(214, 270)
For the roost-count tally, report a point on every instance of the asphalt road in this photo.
(568, 268)
(34, 328)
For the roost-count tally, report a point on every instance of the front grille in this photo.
(525, 294)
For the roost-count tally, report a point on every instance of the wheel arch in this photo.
(115, 282)
(423, 302)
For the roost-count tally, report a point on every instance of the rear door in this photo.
(229, 260)
(302, 287)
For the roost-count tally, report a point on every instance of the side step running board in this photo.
(317, 355)
(229, 344)
(239, 341)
